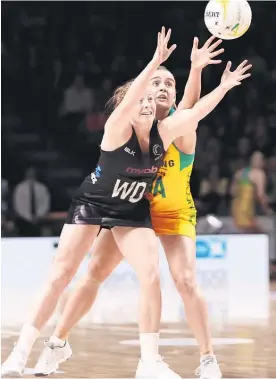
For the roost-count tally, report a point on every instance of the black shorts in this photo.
(86, 213)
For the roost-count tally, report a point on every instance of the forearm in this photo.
(208, 103)
(192, 90)
(186, 121)
(263, 200)
(138, 87)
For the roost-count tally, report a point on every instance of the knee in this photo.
(98, 272)
(150, 276)
(185, 282)
(61, 276)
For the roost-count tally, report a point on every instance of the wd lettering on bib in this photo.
(132, 192)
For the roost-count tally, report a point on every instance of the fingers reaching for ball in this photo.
(234, 78)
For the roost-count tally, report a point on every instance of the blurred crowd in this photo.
(60, 64)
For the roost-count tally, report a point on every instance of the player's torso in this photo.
(122, 176)
(170, 192)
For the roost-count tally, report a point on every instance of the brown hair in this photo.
(119, 94)
(121, 91)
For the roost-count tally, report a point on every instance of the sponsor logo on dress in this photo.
(138, 171)
(129, 151)
(96, 174)
(157, 152)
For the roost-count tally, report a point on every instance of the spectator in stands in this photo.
(31, 203)
(248, 189)
(78, 99)
(8, 227)
(77, 104)
(271, 181)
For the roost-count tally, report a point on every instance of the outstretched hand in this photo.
(231, 79)
(202, 57)
(162, 52)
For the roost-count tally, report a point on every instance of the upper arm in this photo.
(180, 124)
(120, 115)
(260, 183)
(117, 128)
(192, 90)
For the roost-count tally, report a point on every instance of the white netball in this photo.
(228, 19)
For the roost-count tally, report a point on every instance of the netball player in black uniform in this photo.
(112, 196)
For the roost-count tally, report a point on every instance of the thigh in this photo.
(139, 246)
(105, 255)
(180, 252)
(75, 241)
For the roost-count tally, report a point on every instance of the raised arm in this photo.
(184, 122)
(260, 183)
(123, 112)
(200, 58)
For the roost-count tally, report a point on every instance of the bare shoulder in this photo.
(257, 174)
(115, 136)
(172, 128)
(186, 144)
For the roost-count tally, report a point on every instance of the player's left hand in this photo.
(231, 79)
(162, 51)
(201, 58)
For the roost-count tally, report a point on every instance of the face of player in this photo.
(145, 111)
(257, 160)
(162, 86)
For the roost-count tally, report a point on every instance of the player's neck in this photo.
(142, 131)
(162, 113)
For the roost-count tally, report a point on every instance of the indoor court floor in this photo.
(112, 351)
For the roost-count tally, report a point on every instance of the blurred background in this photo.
(61, 62)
